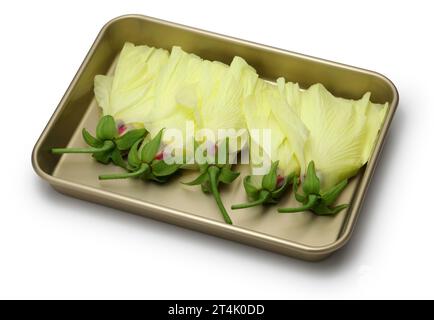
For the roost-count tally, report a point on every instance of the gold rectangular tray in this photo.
(302, 235)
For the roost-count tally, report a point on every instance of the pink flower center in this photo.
(280, 180)
(212, 149)
(159, 156)
(122, 128)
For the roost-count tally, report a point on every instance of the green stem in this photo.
(213, 172)
(263, 196)
(144, 167)
(312, 199)
(108, 145)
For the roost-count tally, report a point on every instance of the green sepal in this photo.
(151, 176)
(106, 128)
(151, 148)
(319, 204)
(126, 141)
(330, 196)
(103, 157)
(263, 197)
(269, 193)
(199, 180)
(226, 175)
(251, 190)
(203, 167)
(139, 172)
(270, 179)
(90, 139)
(117, 159)
(323, 210)
(161, 168)
(299, 197)
(133, 155)
(205, 187)
(311, 201)
(311, 183)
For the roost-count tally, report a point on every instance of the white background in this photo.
(53, 246)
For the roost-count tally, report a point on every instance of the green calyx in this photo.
(209, 178)
(271, 189)
(143, 163)
(312, 199)
(107, 146)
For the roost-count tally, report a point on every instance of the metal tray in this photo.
(304, 235)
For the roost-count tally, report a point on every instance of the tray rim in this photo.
(315, 252)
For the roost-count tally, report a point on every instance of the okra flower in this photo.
(145, 163)
(125, 99)
(151, 88)
(342, 135)
(110, 143)
(264, 110)
(222, 91)
(313, 198)
(211, 174)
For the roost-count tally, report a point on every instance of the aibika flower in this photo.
(342, 135)
(222, 91)
(267, 109)
(145, 162)
(109, 145)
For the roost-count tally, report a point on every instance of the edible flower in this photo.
(146, 163)
(313, 199)
(211, 174)
(264, 110)
(108, 145)
(342, 135)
